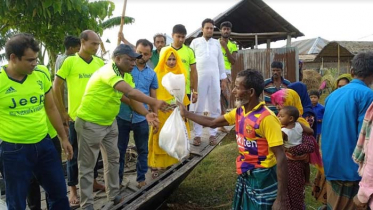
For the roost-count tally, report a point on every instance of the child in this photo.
(292, 134)
(318, 109)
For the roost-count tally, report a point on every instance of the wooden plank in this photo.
(168, 180)
(268, 44)
(140, 199)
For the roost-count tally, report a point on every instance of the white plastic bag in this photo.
(173, 137)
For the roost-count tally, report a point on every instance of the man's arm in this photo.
(58, 87)
(194, 82)
(137, 95)
(125, 41)
(223, 75)
(231, 56)
(153, 94)
(282, 177)
(203, 120)
(55, 119)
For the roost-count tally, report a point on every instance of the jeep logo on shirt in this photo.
(24, 101)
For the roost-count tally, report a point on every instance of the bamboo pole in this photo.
(339, 54)
(122, 20)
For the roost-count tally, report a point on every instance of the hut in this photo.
(338, 54)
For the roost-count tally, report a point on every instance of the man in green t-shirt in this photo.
(159, 43)
(72, 46)
(229, 50)
(76, 71)
(34, 196)
(26, 102)
(96, 125)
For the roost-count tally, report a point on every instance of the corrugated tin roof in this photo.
(253, 16)
(310, 46)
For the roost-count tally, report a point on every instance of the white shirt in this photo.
(209, 57)
(294, 135)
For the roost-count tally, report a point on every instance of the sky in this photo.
(329, 19)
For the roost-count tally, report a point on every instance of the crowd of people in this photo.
(91, 107)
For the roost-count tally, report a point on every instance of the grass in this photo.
(211, 184)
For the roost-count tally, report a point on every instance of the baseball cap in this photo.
(124, 49)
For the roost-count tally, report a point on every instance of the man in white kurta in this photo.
(211, 70)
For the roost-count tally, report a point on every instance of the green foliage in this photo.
(51, 20)
(115, 21)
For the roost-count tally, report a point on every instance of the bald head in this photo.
(88, 34)
(90, 42)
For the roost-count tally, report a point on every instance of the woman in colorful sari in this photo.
(296, 168)
(158, 159)
(308, 112)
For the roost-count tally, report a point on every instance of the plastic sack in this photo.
(175, 85)
(173, 137)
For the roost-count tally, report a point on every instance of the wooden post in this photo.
(268, 44)
(122, 20)
(256, 41)
(288, 41)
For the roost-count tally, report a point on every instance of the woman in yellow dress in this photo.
(158, 159)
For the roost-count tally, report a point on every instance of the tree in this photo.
(51, 20)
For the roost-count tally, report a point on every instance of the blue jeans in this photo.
(34, 197)
(141, 135)
(21, 162)
(72, 165)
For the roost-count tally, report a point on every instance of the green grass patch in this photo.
(211, 184)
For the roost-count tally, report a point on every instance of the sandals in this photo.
(141, 184)
(213, 141)
(197, 141)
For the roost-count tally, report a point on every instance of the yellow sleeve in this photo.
(192, 57)
(231, 117)
(270, 128)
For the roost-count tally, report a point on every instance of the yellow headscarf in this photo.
(162, 69)
(342, 76)
(288, 97)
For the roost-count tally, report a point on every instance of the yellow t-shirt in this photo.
(76, 72)
(255, 147)
(232, 48)
(188, 58)
(22, 113)
(101, 101)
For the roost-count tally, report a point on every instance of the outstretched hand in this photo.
(152, 119)
(161, 105)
